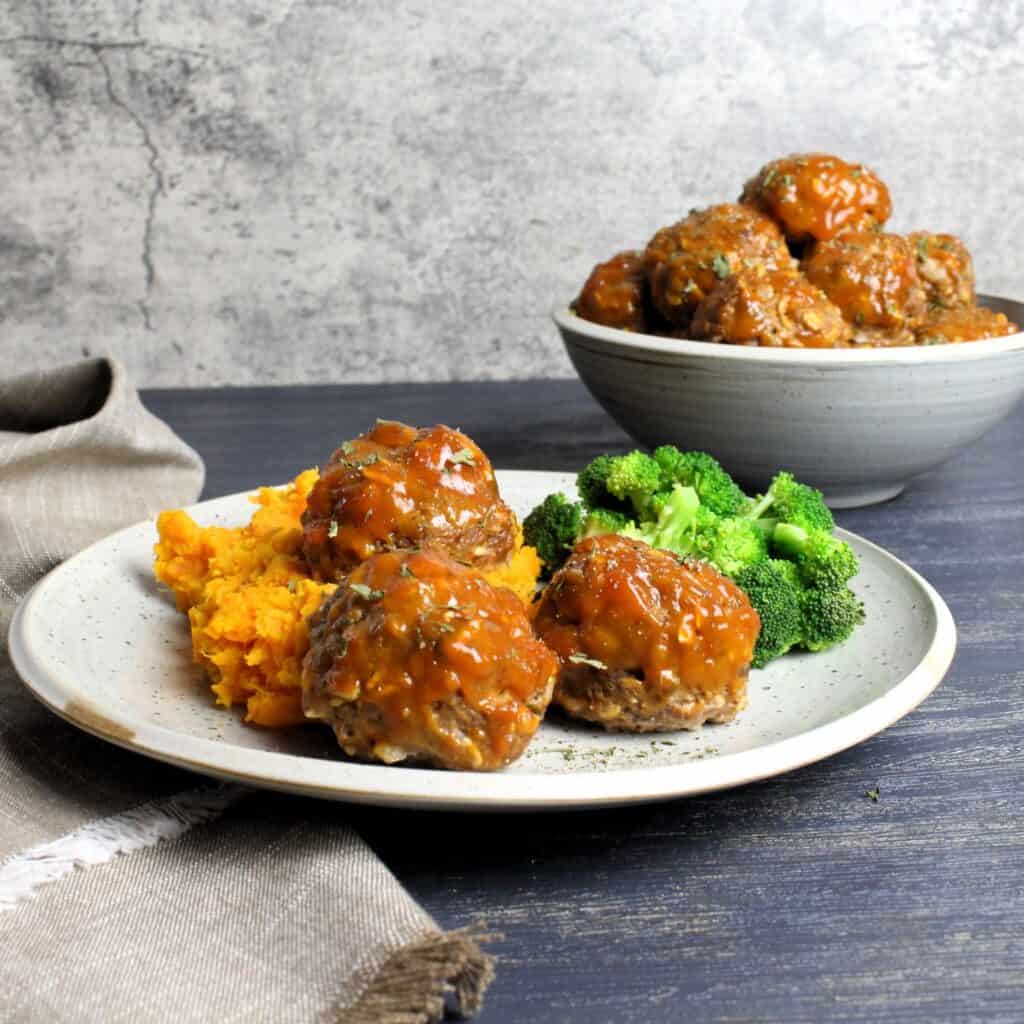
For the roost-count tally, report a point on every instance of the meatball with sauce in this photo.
(646, 643)
(400, 487)
(616, 294)
(945, 268)
(415, 657)
(872, 277)
(778, 308)
(815, 196)
(973, 323)
(685, 261)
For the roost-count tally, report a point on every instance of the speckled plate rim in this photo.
(631, 343)
(432, 789)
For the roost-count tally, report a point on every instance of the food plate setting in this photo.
(103, 645)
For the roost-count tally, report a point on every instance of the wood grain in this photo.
(795, 899)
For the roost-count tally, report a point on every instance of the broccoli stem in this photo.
(790, 538)
(760, 507)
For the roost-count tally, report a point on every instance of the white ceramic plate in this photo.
(103, 647)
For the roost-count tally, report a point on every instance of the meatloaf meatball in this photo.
(646, 643)
(616, 294)
(685, 261)
(815, 195)
(415, 657)
(945, 268)
(872, 277)
(399, 487)
(777, 308)
(964, 324)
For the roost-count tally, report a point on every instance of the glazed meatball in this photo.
(972, 323)
(815, 195)
(872, 277)
(945, 268)
(398, 487)
(616, 294)
(646, 642)
(685, 261)
(415, 657)
(777, 308)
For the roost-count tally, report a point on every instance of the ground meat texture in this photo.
(684, 262)
(778, 308)
(646, 643)
(615, 294)
(950, 326)
(945, 268)
(872, 277)
(415, 657)
(398, 487)
(815, 195)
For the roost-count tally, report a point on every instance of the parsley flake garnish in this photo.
(873, 794)
(582, 659)
(769, 176)
(856, 172)
(332, 530)
(405, 570)
(720, 266)
(348, 447)
(463, 457)
(787, 180)
(292, 584)
(365, 592)
(922, 248)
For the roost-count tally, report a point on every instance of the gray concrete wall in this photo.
(232, 192)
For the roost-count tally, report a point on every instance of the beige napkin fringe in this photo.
(24, 874)
(411, 986)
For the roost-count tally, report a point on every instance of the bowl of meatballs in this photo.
(791, 328)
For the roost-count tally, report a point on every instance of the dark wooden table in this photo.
(794, 899)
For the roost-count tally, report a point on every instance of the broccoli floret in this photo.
(591, 483)
(821, 559)
(674, 528)
(635, 478)
(602, 520)
(792, 502)
(776, 599)
(789, 570)
(553, 527)
(732, 544)
(715, 488)
(829, 615)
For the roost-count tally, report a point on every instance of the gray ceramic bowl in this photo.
(856, 423)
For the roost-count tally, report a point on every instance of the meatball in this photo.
(616, 294)
(646, 642)
(872, 277)
(685, 261)
(778, 308)
(815, 195)
(964, 324)
(945, 268)
(399, 487)
(415, 657)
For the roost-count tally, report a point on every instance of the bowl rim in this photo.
(950, 352)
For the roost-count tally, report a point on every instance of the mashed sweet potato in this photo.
(248, 594)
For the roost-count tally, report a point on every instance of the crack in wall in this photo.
(154, 193)
(136, 15)
(103, 44)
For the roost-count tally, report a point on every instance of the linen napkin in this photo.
(131, 890)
